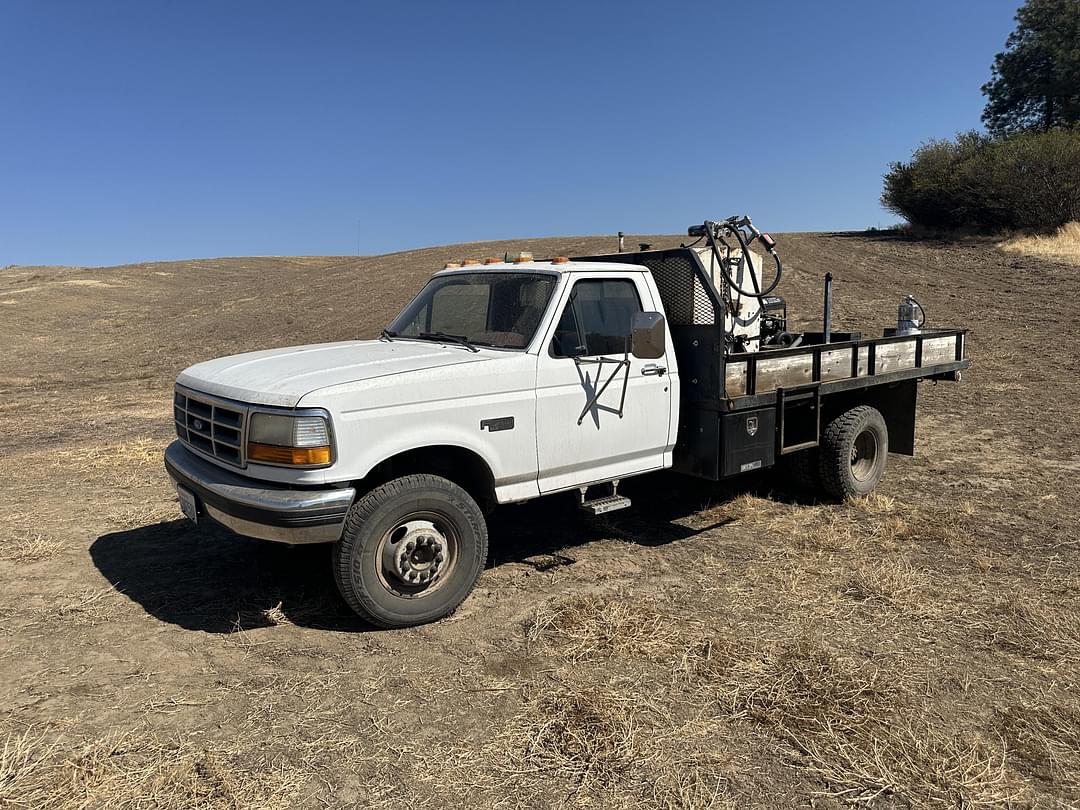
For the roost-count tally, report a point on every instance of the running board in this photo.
(609, 503)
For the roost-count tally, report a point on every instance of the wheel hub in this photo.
(415, 552)
(864, 451)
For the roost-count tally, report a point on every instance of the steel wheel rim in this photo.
(414, 530)
(864, 454)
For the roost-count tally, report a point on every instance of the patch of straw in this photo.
(888, 581)
(1026, 625)
(601, 746)
(924, 763)
(858, 732)
(29, 546)
(800, 684)
(25, 765)
(131, 464)
(596, 627)
(133, 771)
(1047, 738)
(1064, 244)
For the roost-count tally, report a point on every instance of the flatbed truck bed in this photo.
(744, 410)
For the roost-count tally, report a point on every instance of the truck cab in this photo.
(504, 381)
(507, 380)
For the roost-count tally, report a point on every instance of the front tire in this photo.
(411, 551)
(853, 453)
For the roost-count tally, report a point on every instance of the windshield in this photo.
(486, 309)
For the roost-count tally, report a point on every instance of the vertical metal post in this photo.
(826, 326)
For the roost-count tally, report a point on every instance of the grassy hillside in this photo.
(711, 647)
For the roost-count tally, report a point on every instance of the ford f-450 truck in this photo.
(511, 380)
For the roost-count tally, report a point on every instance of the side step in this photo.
(609, 503)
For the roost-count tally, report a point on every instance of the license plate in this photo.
(187, 504)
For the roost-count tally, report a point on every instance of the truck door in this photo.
(576, 444)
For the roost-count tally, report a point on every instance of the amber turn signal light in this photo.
(300, 456)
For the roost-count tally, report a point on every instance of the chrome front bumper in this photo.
(258, 508)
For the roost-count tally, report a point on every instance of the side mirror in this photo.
(648, 337)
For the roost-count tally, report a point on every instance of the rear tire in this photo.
(411, 551)
(803, 470)
(854, 450)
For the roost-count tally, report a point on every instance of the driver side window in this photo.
(596, 319)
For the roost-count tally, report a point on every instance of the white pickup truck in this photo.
(511, 380)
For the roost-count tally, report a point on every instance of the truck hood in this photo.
(281, 377)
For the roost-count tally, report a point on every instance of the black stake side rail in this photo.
(753, 379)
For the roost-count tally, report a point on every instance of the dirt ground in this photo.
(736, 646)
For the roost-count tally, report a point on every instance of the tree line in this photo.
(1024, 172)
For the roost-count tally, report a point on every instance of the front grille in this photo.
(210, 425)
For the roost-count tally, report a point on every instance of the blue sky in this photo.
(150, 130)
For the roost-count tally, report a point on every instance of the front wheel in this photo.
(411, 551)
(853, 452)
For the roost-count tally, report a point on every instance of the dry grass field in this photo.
(713, 647)
(1062, 245)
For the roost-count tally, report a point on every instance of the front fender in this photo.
(490, 414)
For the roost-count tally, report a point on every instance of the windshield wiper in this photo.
(460, 339)
(387, 334)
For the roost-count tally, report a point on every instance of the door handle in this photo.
(653, 370)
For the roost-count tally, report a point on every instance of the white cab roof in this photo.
(547, 267)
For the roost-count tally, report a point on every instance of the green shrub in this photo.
(1028, 180)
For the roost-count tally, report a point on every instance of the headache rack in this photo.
(780, 388)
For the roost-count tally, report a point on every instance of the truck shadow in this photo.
(209, 579)
(212, 580)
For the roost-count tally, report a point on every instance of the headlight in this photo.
(294, 440)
